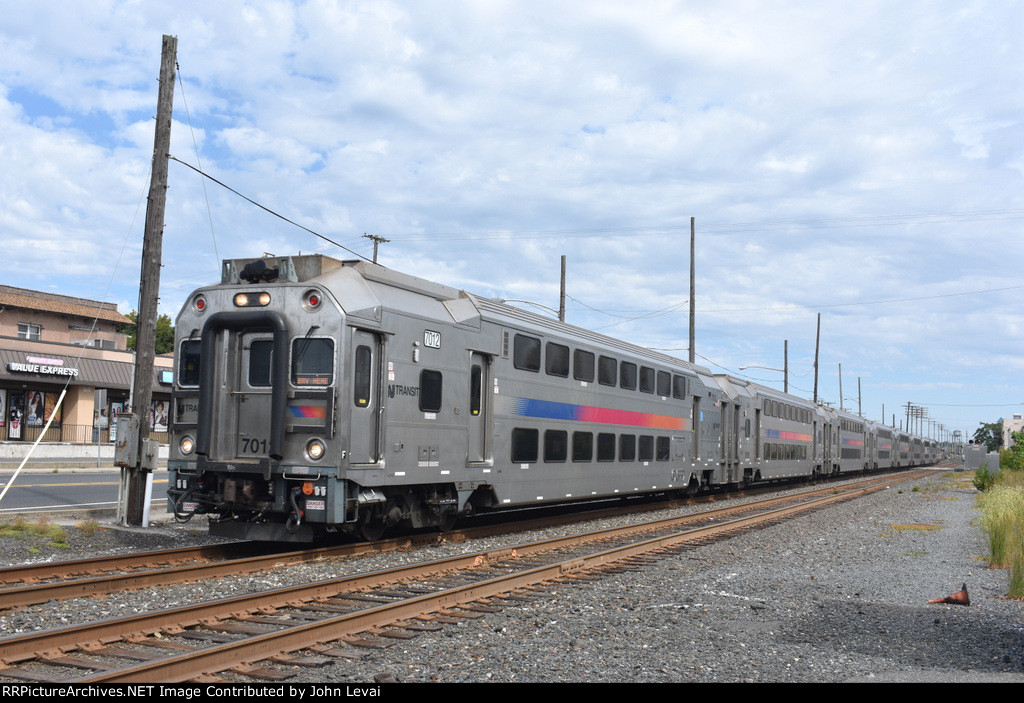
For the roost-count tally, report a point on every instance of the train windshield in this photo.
(312, 361)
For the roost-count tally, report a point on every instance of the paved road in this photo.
(44, 491)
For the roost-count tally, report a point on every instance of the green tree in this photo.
(990, 434)
(1013, 457)
(164, 333)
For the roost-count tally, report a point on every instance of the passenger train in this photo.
(313, 395)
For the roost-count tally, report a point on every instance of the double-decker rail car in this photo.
(885, 456)
(314, 395)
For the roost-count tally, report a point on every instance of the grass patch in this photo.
(20, 528)
(88, 528)
(919, 526)
(1002, 517)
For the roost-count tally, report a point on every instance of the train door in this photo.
(725, 442)
(757, 434)
(479, 419)
(697, 417)
(252, 393)
(366, 359)
(735, 433)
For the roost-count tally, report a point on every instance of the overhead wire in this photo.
(265, 208)
(195, 146)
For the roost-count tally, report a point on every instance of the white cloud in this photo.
(828, 153)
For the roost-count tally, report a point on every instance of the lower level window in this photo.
(524, 445)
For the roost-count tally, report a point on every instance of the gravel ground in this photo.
(840, 595)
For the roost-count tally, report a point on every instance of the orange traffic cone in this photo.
(958, 598)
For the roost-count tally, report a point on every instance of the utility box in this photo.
(150, 453)
(126, 447)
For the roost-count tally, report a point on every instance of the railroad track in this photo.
(309, 624)
(31, 584)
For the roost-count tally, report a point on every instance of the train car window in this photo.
(556, 361)
(605, 446)
(430, 391)
(526, 353)
(647, 377)
(582, 446)
(627, 447)
(607, 371)
(627, 375)
(664, 384)
(524, 445)
(188, 363)
(312, 361)
(361, 376)
(261, 352)
(746, 428)
(583, 366)
(475, 389)
(663, 449)
(645, 452)
(679, 387)
(556, 445)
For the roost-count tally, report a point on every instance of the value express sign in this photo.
(39, 365)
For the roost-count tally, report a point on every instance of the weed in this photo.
(88, 528)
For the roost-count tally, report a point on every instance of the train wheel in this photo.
(371, 531)
(447, 521)
(372, 527)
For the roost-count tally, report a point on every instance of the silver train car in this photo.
(314, 396)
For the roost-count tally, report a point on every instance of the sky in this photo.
(862, 161)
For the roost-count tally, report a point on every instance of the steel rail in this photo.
(119, 579)
(26, 647)
(183, 667)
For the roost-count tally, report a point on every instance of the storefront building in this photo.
(51, 343)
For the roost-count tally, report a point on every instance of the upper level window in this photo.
(627, 375)
(583, 366)
(557, 360)
(28, 331)
(526, 353)
(647, 377)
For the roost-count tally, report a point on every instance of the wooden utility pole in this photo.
(693, 292)
(817, 346)
(134, 478)
(377, 240)
(785, 366)
(840, 388)
(561, 294)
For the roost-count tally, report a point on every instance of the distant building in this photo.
(1010, 426)
(49, 341)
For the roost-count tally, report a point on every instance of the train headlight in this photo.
(187, 445)
(252, 300)
(315, 449)
(199, 303)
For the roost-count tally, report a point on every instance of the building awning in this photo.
(27, 367)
